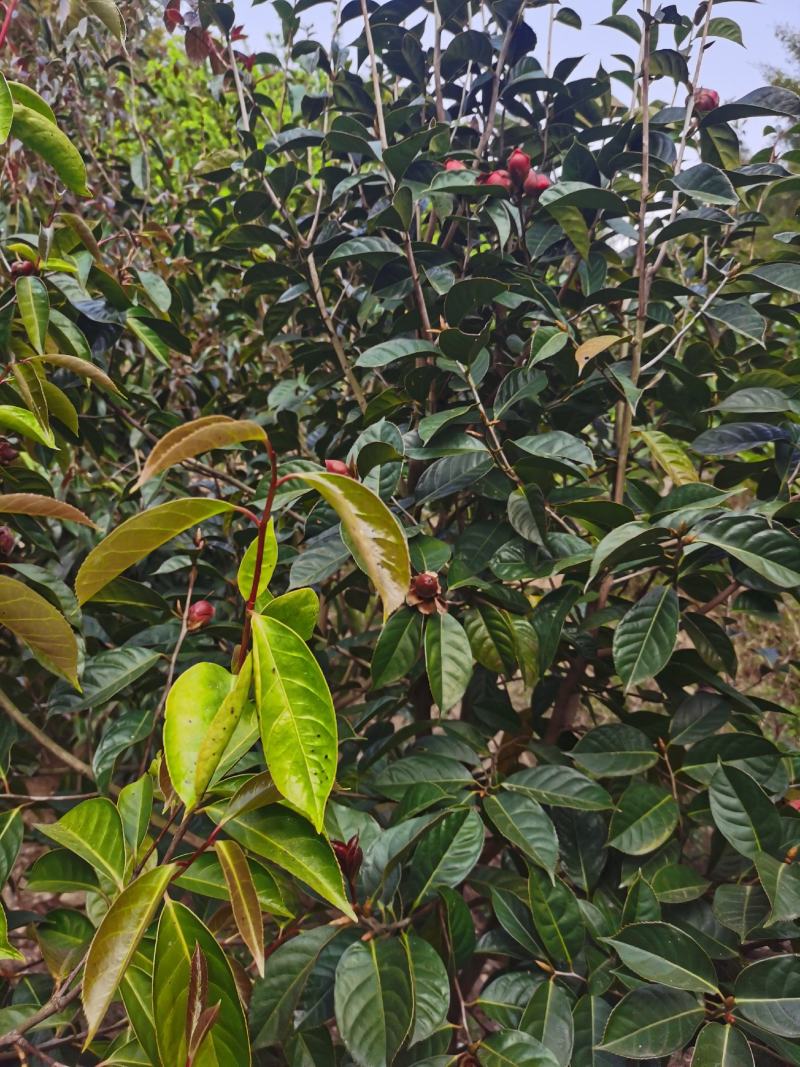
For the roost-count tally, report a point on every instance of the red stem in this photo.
(7, 21)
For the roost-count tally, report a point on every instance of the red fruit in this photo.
(706, 99)
(200, 614)
(500, 177)
(794, 803)
(455, 164)
(536, 183)
(8, 540)
(426, 585)
(519, 165)
(337, 466)
(7, 452)
(22, 268)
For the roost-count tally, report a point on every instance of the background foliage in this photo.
(380, 534)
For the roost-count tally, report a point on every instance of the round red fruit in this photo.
(22, 268)
(500, 177)
(536, 183)
(706, 99)
(337, 466)
(8, 540)
(455, 164)
(200, 614)
(426, 585)
(519, 165)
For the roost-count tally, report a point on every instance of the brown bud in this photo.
(200, 614)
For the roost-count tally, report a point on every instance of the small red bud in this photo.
(519, 165)
(8, 540)
(535, 184)
(200, 614)
(350, 857)
(706, 99)
(337, 466)
(7, 452)
(500, 177)
(22, 268)
(455, 164)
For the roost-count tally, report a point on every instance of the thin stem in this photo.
(501, 62)
(12, 4)
(376, 81)
(41, 737)
(437, 62)
(330, 326)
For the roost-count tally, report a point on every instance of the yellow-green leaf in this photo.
(25, 424)
(45, 506)
(192, 438)
(244, 899)
(45, 139)
(137, 537)
(299, 609)
(202, 711)
(23, 94)
(6, 109)
(116, 940)
(82, 367)
(670, 456)
(34, 309)
(7, 950)
(42, 627)
(247, 568)
(376, 538)
(93, 831)
(593, 347)
(105, 10)
(298, 723)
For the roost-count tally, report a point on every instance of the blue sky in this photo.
(727, 67)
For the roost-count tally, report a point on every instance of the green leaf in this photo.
(287, 840)
(522, 822)
(590, 1016)
(298, 723)
(557, 918)
(491, 638)
(670, 455)
(116, 941)
(135, 806)
(44, 138)
(202, 710)
(381, 355)
(660, 952)
(135, 538)
(11, 831)
(770, 551)
(431, 987)
(42, 627)
(513, 1048)
(26, 424)
(93, 831)
(107, 674)
(276, 997)
(644, 818)
(446, 853)
(190, 439)
(740, 316)
(781, 882)
(179, 931)
(397, 648)
(34, 309)
(63, 937)
(228, 729)
(373, 999)
(376, 538)
(767, 993)
(7, 950)
(548, 1018)
(707, 183)
(107, 12)
(614, 750)
(743, 813)
(719, 1045)
(560, 787)
(205, 877)
(298, 609)
(645, 637)
(247, 568)
(641, 903)
(59, 871)
(448, 659)
(6, 109)
(244, 899)
(652, 1021)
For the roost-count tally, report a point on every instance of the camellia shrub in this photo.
(382, 501)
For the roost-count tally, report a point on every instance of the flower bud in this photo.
(7, 452)
(8, 540)
(350, 857)
(500, 177)
(535, 184)
(706, 99)
(519, 165)
(455, 164)
(200, 614)
(338, 466)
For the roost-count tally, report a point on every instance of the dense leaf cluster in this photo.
(383, 489)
